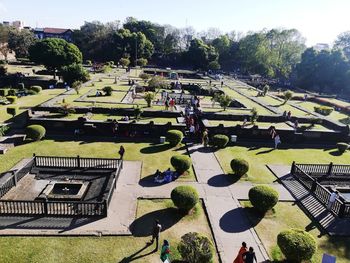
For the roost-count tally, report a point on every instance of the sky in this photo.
(319, 21)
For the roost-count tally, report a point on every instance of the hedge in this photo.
(220, 140)
(174, 137)
(12, 99)
(12, 110)
(11, 92)
(185, 197)
(239, 167)
(342, 146)
(324, 110)
(35, 132)
(296, 245)
(37, 89)
(263, 197)
(196, 248)
(31, 92)
(108, 90)
(3, 92)
(181, 163)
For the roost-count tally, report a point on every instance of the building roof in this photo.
(52, 30)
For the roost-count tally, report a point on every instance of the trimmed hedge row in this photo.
(324, 110)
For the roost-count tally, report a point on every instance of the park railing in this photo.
(76, 162)
(329, 170)
(340, 207)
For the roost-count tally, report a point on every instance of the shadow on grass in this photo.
(223, 180)
(265, 151)
(143, 226)
(240, 219)
(335, 153)
(136, 255)
(155, 148)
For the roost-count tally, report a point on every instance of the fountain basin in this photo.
(74, 190)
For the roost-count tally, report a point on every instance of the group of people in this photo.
(245, 255)
(287, 115)
(165, 177)
(169, 103)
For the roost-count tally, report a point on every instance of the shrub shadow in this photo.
(157, 148)
(223, 180)
(168, 217)
(239, 220)
(335, 153)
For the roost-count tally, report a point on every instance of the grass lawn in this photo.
(29, 101)
(268, 228)
(258, 157)
(116, 96)
(153, 156)
(279, 125)
(110, 249)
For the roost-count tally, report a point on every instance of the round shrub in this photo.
(239, 166)
(108, 90)
(37, 89)
(12, 99)
(220, 140)
(296, 245)
(342, 147)
(35, 132)
(263, 197)
(174, 137)
(196, 248)
(181, 163)
(184, 197)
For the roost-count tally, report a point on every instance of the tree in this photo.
(157, 83)
(287, 96)
(20, 40)
(149, 97)
(253, 115)
(55, 53)
(76, 85)
(144, 77)
(141, 62)
(199, 54)
(74, 72)
(124, 62)
(343, 43)
(4, 36)
(214, 65)
(266, 90)
(224, 100)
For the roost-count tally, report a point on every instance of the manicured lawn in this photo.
(279, 125)
(153, 156)
(116, 96)
(288, 215)
(258, 157)
(109, 249)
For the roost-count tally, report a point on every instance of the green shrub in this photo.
(239, 167)
(31, 92)
(108, 90)
(174, 137)
(35, 132)
(12, 110)
(21, 86)
(196, 248)
(263, 197)
(342, 147)
(220, 140)
(3, 92)
(296, 245)
(324, 110)
(184, 197)
(11, 92)
(37, 89)
(181, 163)
(12, 99)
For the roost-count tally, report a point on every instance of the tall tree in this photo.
(4, 36)
(20, 40)
(200, 54)
(343, 42)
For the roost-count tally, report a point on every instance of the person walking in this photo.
(166, 103)
(157, 228)
(205, 138)
(277, 140)
(242, 250)
(165, 252)
(332, 198)
(121, 152)
(249, 256)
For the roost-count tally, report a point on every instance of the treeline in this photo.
(276, 53)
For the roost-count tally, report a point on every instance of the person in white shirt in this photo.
(332, 198)
(277, 140)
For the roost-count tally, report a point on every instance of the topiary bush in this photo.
(11, 92)
(3, 92)
(185, 197)
(12, 110)
(324, 110)
(296, 245)
(174, 137)
(108, 90)
(12, 99)
(342, 146)
(220, 140)
(35, 132)
(181, 163)
(263, 197)
(196, 248)
(37, 89)
(239, 167)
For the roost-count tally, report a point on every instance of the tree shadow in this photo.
(265, 151)
(135, 256)
(156, 148)
(240, 219)
(223, 180)
(335, 153)
(143, 226)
